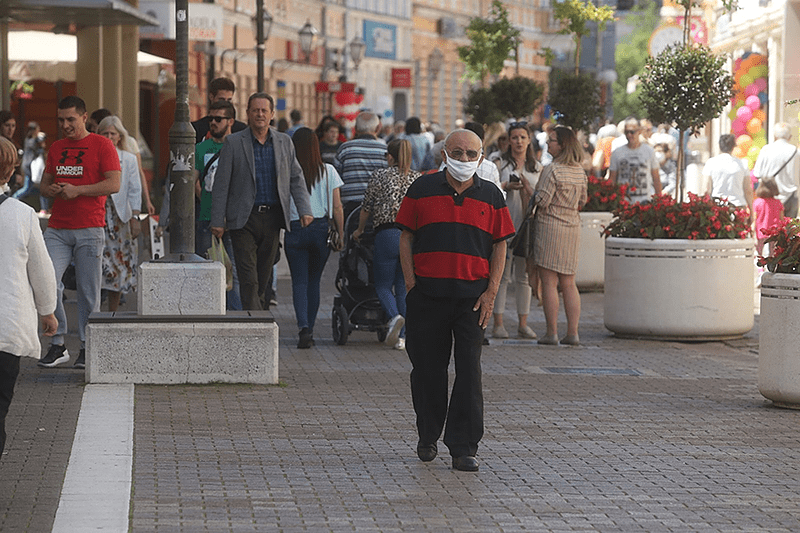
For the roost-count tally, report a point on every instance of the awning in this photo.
(79, 12)
(38, 55)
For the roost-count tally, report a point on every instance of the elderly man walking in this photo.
(726, 177)
(778, 160)
(452, 251)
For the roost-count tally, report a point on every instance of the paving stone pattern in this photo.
(687, 445)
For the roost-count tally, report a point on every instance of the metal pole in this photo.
(260, 45)
(181, 150)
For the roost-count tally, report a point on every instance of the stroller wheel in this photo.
(382, 334)
(340, 324)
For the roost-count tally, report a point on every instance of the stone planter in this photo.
(590, 255)
(679, 289)
(779, 339)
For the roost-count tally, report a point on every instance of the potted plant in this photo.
(679, 270)
(779, 327)
(604, 197)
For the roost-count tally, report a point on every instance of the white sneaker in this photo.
(401, 344)
(395, 325)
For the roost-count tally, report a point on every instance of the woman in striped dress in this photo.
(559, 195)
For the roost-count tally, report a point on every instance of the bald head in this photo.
(462, 135)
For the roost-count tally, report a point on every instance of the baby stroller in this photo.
(357, 306)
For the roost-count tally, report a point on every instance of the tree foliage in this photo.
(506, 98)
(518, 96)
(576, 14)
(493, 40)
(685, 86)
(575, 100)
(482, 106)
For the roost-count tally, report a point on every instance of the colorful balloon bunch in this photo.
(747, 106)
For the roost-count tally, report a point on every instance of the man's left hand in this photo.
(69, 191)
(486, 304)
(305, 220)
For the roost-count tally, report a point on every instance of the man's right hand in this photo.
(217, 232)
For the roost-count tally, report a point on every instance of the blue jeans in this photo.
(85, 247)
(306, 251)
(388, 274)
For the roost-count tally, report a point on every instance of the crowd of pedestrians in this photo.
(440, 206)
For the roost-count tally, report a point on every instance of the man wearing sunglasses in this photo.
(220, 89)
(452, 251)
(635, 164)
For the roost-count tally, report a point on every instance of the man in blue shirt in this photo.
(257, 177)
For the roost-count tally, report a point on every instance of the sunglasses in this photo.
(631, 132)
(472, 155)
(219, 119)
(521, 124)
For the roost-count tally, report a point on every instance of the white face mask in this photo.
(462, 170)
(660, 157)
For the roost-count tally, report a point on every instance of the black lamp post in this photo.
(181, 150)
(262, 23)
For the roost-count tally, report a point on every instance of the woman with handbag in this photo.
(559, 195)
(307, 248)
(519, 173)
(382, 199)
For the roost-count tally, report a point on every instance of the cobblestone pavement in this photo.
(617, 435)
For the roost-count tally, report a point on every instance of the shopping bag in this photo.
(217, 253)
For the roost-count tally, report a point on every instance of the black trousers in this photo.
(9, 370)
(434, 328)
(254, 249)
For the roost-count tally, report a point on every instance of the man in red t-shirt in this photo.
(82, 169)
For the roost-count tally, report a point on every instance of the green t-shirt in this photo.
(203, 152)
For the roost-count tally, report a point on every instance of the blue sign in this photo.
(381, 40)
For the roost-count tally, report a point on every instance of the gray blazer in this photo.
(234, 191)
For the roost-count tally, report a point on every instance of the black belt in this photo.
(264, 208)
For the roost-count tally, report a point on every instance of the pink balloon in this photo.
(744, 113)
(761, 83)
(739, 126)
(753, 102)
(751, 89)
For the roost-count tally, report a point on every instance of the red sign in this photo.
(401, 77)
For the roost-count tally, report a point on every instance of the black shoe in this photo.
(306, 340)
(465, 463)
(426, 452)
(56, 355)
(80, 362)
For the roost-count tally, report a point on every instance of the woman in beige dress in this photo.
(559, 195)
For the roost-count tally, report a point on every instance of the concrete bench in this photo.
(238, 347)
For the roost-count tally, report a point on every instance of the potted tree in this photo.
(679, 270)
(779, 329)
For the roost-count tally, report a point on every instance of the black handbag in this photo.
(522, 243)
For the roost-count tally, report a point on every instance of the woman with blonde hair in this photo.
(559, 195)
(382, 199)
(120, 255)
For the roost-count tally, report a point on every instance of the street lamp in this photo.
(262, 24)
(435, 62)
(307, 35)
(357, 48)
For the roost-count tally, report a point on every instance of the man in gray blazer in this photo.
(257, 177)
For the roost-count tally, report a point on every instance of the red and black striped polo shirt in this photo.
(453, 234)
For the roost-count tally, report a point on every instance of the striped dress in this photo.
(560, 193)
